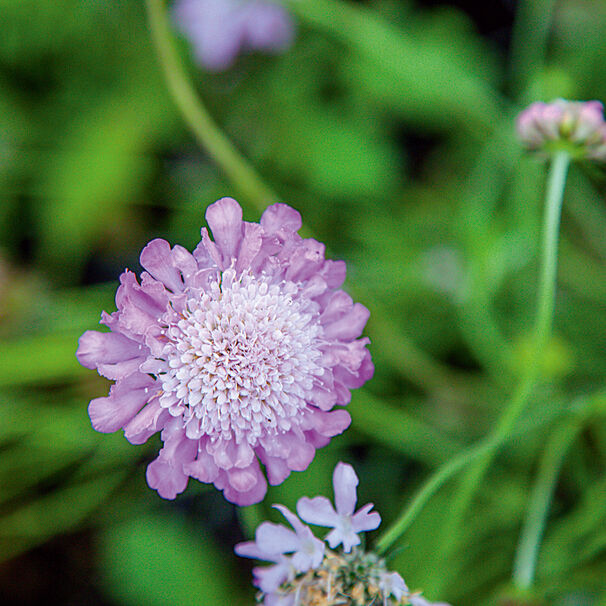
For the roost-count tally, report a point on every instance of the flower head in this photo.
(236, 353)
(345, 523)
(575, 126)
(221, 29)
(317, 575)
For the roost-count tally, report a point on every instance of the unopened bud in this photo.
(574, 126)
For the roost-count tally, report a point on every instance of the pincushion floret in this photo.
(236, 353)
(305, 572)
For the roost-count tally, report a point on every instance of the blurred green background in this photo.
(389, 125)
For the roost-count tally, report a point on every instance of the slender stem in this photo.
(542, 332)
(445, 472)
(195, 114)
(538, 508)
(487, 447)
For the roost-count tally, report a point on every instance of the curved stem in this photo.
(488, 446)
(542, 332)
(208, 134)
(538, 508)
(446, 472)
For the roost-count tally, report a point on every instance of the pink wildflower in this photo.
(314, 574)
(236, 353)
(576, 126)
(220, 30)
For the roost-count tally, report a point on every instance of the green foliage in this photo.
(389, 125)
(147, 558)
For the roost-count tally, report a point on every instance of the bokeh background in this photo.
(389, 125)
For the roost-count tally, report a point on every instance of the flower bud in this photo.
(574, 126)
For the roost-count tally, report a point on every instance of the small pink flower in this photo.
(344, 521)
(220, 30)
(272, 541)
(576, 126)
(237, 354)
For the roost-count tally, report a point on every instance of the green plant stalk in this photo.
(446, 472)
(542, 333)
(209, 135)
(538, 507)
(485, 450)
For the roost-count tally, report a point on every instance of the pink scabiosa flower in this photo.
(220, 30)
(237, 354)
(575, 126)
(315, 574)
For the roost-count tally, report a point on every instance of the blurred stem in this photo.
(195, 114)
(488, 446)
(538, 508)
(447, 471)
(542, 334)
(529, 42)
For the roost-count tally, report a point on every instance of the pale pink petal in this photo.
(345, 480)
(225, 220)
(156, 258)
(364, 520)
(318, 510)
(125, 399)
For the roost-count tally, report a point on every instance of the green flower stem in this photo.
(446, 472)
(488, 446)
(538, 508)
(542, 334)
(208, 134)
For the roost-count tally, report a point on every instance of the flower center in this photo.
(242, 358)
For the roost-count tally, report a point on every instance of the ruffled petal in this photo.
(331, 423)
(276, 468)
(156, 258)
(250, 246)
(125, 399)
(96, 348)
(147, 422)
(165, 473)
(280, 217)
(350, 325)
(203, 468)
(224, 218)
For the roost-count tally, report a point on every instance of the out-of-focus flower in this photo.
(220, 30)
(344, 521)
(575, 126)
(235, 353)
(350, 577)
